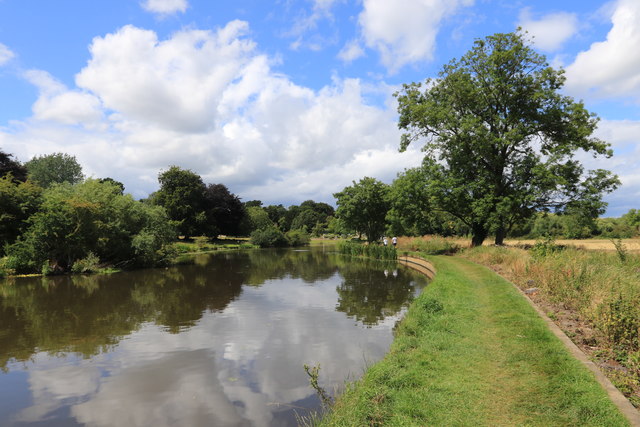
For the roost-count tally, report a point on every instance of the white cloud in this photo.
(207, 101)
(611, 68)
(551, 31)
(5, 54)
(404, 31)
(57, 103)
(165, 7)
(351, 51)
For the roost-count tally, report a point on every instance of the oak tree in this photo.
(500, 138)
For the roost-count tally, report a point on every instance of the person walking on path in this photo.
(394, 240)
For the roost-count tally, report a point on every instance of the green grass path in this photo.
(472, 352)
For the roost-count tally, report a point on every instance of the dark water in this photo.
(218, 343)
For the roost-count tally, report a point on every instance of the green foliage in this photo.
(297, 238)
(181, 193)
(434, 246)
(258, 219)
(13, 167)
(56, 168)
(545, 247)
(621, 250)
(18, 201)
(619, 320)
(481, 122)
(5, 270)
(269, 237)
(91, 217)
(369, 251)
(89, 264)
(412, 213)
(363, 207)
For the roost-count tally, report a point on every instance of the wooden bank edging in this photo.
(621, 402)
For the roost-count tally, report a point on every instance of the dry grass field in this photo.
(632, 245)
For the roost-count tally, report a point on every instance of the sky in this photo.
(287, 100)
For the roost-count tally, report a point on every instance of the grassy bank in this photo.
(471, 351)
(593, 295)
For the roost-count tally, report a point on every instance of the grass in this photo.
(600, 290)
(471, 351)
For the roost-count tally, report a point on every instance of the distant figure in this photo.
(394, 240)
(385, 241)
(395, 273)
(386, 273)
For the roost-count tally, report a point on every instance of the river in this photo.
(220, 342)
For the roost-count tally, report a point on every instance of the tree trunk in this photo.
(478, 234)
(501, 233)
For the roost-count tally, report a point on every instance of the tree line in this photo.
(53, 219)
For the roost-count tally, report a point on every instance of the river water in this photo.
(221, 342)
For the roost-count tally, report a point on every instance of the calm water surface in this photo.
(218, 343)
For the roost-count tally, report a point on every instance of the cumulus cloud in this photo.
(351, 51)
(550, 31)
(404, 31)
(208, 101)
(165, 7)
(56, 103)
(611, 68)
(5, 54)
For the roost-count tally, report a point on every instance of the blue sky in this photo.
(287, 100)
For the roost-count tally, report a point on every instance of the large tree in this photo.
(224, 209)
(500, 138)
(54, 168)
(182, 194)
(363, 207)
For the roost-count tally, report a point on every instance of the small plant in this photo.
(620, 322)
(314, 375)
(621, 250)
(46, 269)
(298, 238)
(89, 264)
(545, 247)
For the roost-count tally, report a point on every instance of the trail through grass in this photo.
(472, 352)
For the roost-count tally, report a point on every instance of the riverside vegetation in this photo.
(471, 351)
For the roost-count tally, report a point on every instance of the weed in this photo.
(621, 250)
(314, 375)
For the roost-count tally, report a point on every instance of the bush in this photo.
(297, 238)
(269, 237)
(89, 264)
(545, 247)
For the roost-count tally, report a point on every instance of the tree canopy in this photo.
(363, 207)
(13, 167)
(54, 168)
(500, 139)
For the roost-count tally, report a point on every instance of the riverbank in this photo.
(472, 351)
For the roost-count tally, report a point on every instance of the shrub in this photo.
(89, 264)
(269, 237)
(297, 238)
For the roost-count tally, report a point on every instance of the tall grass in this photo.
(369, 251)
(602, 288)
(434, 245)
